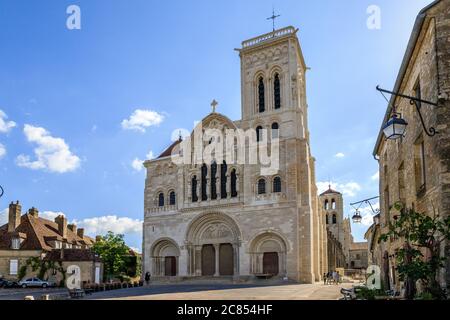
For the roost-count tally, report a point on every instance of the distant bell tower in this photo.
(273, 78)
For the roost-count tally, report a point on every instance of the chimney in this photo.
(62, 225)
(80, 233)
(33, 212)
(72, 227)
(15, 210)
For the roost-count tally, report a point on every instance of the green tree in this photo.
(112, 250)
(421, 234)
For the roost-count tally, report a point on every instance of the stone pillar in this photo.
(198, 260)
(235, 259)
(182, 262)
(217, 252)
(228, 186)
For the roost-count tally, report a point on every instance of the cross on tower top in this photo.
(214, 104)
(273, 17)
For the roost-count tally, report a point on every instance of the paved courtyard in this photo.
(224, 292)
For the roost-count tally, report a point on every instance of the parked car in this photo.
(7, 283)
(35, 282)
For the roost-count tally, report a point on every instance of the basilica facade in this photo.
(226, 218)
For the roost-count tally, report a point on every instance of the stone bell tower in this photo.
(273, 78)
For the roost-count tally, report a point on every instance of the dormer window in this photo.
(15, 243)
(58, 245)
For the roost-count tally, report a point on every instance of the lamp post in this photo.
(395, 127)
(357, 218)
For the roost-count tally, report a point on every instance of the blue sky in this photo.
(64, 94)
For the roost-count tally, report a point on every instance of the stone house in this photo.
(415, 169)
(358, 255)
(30, 236)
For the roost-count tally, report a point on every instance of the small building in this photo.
(358, 255)
(29, 236)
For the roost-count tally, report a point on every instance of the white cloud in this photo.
(2, 150)
(376, 176)
(51, 215)
(51, 153)
(367, 214)
(5, 126)
(141, 119)
(347, 189)
(101, 225)
(137, 164)
(339, 155)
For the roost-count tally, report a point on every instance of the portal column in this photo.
(235, 259)
(198, 261)
(217, 252)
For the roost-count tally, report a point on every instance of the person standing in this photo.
(147, 278)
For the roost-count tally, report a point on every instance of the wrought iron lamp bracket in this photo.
(416, 102)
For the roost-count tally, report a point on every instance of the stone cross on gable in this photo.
(214, 104)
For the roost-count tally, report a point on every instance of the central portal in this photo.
(217, 255)
(213, 241)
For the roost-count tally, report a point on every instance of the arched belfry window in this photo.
(161, 200)
(194, 189)
(326, 205)
(233, 183)
(204, 174)
(326, 219)
(275, 130)
(223, 180)
(261, 186)
(259, 133)
(213, 180)
(333, 204)
(276, 92)
(172, 198)
(261, 93)
(277, 185)
(334, 218)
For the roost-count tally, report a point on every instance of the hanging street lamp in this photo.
(357, 218)
(395, 127)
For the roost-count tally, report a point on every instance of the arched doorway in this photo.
(170, 268)
(270, 263)
(213, 245)
(226, 259)
(268, 254)
(165, 255)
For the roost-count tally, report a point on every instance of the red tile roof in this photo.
(329, 191)
(168, 151)
(39, 232)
